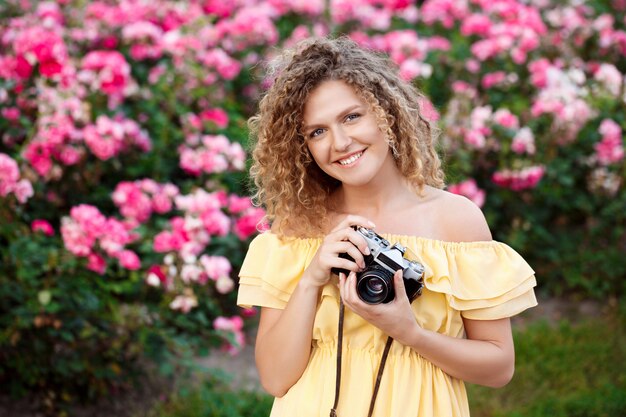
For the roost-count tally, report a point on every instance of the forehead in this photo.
(328, 100)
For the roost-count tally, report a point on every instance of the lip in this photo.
(361, 151)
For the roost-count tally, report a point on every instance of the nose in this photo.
(341, 139)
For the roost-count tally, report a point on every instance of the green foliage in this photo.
(214, 399)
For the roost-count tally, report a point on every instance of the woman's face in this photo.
(343, 136)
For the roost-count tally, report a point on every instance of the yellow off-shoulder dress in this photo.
(476, 280)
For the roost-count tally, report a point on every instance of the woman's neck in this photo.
(372, 200)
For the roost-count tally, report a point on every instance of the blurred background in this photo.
(124, 198)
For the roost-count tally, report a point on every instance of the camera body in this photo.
(375, 282)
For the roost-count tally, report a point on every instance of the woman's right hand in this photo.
(342, 239)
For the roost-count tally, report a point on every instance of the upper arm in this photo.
(497, 331)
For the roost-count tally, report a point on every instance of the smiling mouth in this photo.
(352, 159)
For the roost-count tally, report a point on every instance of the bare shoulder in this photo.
(460, 219)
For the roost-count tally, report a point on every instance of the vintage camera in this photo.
(375, 282)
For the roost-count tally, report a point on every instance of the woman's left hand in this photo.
(396, 318)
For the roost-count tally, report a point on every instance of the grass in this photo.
(563, 370)
(214, 399)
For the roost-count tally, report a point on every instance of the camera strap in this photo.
(381, 366)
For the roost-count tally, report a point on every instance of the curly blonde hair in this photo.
(289, 184)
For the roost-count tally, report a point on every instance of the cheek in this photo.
(316, 151)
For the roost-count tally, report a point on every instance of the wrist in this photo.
(414, 337)
(308, 283)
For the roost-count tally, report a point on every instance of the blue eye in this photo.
(352, 117)
(316, 133)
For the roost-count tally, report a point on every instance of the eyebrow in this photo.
(342, 114)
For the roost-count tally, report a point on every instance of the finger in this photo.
(398, 284)
(347, 234)
(349, 287)
(356, 263)
(359, 241)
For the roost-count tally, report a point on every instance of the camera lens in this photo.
(375, 285)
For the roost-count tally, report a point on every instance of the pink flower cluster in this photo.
(137, 200)
(187, 270)
(249, 223)
(250, 220)
(469, 189)
(109, 137)
(108, 72)
(226, 66)
(184, 302)
(372, 14)
(479, 129)
(445, 12)
(504, 27)
(232, 325)
(10, 182)
(42, 47)
(611, 148)
(58, 140)
(524, 142)
(307, 7)
(482, 121)
(205, 217)
(42, 226)
(406, 49)
(250, 26)
(192, 270)
(561, 94)
(195, 123)
(214, 154)
(145, 40)
(519, 180)
(609, 77)
(165, 14)
(88, 233)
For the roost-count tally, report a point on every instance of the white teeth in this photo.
(350, 160)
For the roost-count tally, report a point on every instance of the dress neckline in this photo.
(393, 238)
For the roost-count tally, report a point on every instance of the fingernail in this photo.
(367, 250)
(371, 223)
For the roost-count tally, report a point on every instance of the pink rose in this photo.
(129, 260)
(217, 116)
(96, 263)
(43, 226)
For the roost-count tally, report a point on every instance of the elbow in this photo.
(502, 378)
(272, 380)
(273, 388)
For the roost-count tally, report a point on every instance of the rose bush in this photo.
(123, 208)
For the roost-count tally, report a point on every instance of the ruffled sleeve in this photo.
(482, 280)
(271, 270)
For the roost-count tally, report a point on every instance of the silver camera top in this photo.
(391, 257)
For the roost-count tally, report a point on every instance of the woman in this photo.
(340, 143)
